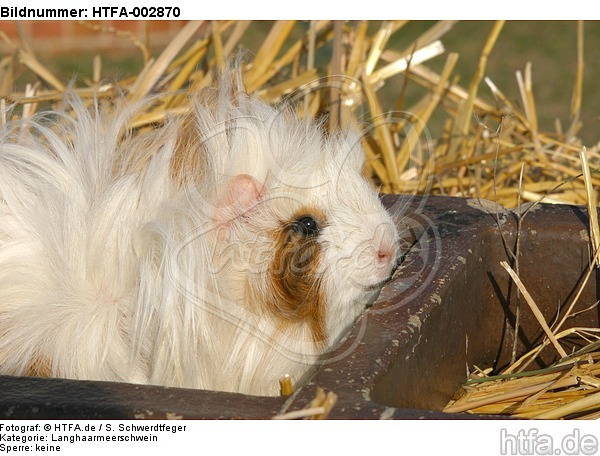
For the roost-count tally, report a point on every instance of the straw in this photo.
(317, 409)
(592, 204)
(534, 308)
(578, 86)
(458, 162)
(156, 69)
(464, 118)
(573, 407)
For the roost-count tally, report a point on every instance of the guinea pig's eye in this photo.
(306, 226)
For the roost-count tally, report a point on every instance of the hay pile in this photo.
(337, 72)
(568, 390)
(489, 150)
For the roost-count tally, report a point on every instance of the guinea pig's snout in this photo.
(387, 252)
(384, 261)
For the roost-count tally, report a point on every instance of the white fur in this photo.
(118, 274)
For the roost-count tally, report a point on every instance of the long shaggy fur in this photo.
(169, 257)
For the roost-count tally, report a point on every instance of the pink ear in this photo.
(243, 192)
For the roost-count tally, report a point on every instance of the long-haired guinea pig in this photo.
(220, 251)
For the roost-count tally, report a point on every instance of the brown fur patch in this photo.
(189, 161)
(293, 275)
(39, 367)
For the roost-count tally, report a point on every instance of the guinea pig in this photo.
(221, 250)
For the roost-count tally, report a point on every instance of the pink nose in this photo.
(385, 254)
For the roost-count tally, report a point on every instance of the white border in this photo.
(302, 438)
(348, 9)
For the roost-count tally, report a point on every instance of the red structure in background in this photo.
(63, 37)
